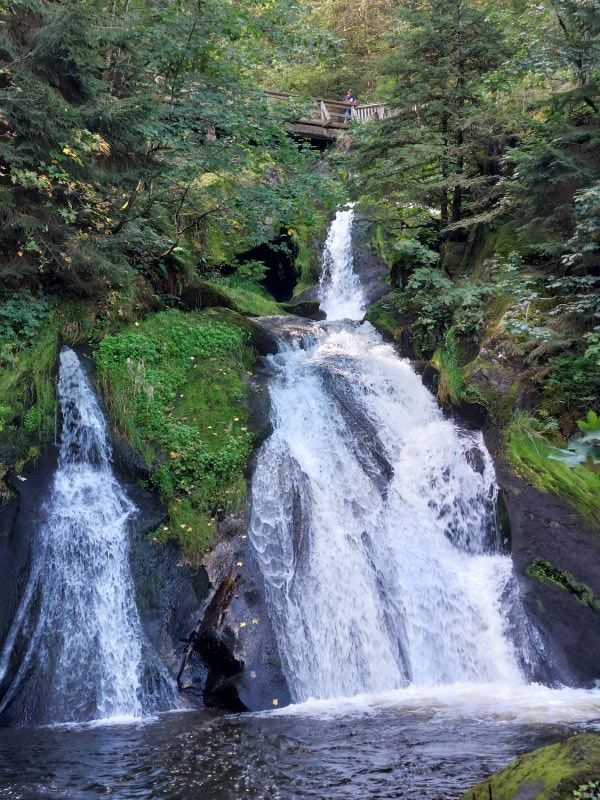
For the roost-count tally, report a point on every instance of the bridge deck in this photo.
(329, 118)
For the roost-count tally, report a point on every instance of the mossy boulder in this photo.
(550, 773)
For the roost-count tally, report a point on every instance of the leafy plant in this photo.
(408, 255)
(442, 304)
(4, 414)
(21, 318)
(584, 448)
(588, 791)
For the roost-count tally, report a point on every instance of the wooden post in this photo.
(325, 115)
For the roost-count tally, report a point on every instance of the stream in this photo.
(396, 612)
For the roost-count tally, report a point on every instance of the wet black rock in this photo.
(543, 527)
(234, 637)
(368, 264)
(306, 306)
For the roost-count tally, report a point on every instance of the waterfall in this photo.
(77, 628)
(373, 516)
(341, 294)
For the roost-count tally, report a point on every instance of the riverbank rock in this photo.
(550, 773)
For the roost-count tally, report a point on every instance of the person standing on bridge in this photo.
(349, 99)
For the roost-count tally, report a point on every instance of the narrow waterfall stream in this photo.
(374, 516)
(76, 638)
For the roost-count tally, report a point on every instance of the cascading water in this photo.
(374, 516)
(77, 632)
(341, 294)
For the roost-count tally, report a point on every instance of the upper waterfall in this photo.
(374, 516)
(340, 293)
(77, 628)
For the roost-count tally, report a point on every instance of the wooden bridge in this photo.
(328, 119)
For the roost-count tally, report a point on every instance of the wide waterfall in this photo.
(76, 638)
(374, 516)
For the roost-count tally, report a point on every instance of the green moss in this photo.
(247, 297)
(450, 385)
(175, 387)
(383, 245)
(543, 570)
(529, 453)
(479, 388)
(382, 318)
(550, 773)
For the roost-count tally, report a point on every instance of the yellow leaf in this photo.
(275, 701)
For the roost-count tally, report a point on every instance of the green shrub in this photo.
(408, 255)
(441, 304)
(22, 317)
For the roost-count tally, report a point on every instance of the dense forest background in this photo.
(139, 157)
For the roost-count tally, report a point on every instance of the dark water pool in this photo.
(363, 753)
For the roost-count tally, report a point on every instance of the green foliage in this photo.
(521, 289)
(22, 317)
(174, 385)
(134, 141)
(587, 791)
(28, 396)
(529, 451)
(572, 384)
(450, 381)
(441, 305)
(408, 255)
(4, 413)
(586, 447)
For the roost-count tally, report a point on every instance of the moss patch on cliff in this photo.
(550, 773)
(382, 317)
(544, 571)
(247, 297)
(174, 385)
(530, 452)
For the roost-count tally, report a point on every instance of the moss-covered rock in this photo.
(551, 773)
(493, 386)
(175, 385)
(243, 296)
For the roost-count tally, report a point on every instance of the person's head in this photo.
(349, 94)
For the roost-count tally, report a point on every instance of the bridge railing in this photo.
(335, 113)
